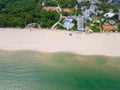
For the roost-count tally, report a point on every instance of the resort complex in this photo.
(74, 15)
(93, 18)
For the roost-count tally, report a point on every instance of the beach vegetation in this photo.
(60, 27)
(75, 25)
(119, 27)
(95, 27)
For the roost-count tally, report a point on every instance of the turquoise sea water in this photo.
(26, 70)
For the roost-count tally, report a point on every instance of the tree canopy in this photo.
(67, 3)
(18, 13)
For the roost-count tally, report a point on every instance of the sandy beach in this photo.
(60, 41)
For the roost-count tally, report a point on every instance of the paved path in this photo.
(58, 20)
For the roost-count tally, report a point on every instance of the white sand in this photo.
(60, 41)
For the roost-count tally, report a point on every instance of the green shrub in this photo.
(118, 27)
(95, 29)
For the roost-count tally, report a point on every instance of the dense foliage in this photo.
(119, 27)
(50, 3)
(67, 3)
(83, 4)
(106, 6)
(18, 13)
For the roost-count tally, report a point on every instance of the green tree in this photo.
(83, 4)
(67, 3)
(18, 13)
(2, 21)
(119, 27)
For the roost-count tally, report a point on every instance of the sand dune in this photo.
(60, 41)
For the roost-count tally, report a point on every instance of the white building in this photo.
(110, 1)
(87, 12)
(80, 23)
(109, 15)
(91, 1)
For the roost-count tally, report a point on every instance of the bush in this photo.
(95, 29)
(60, 27)
(119, 27)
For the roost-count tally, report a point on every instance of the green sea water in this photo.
(27, 70)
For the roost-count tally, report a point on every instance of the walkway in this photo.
(59, 18)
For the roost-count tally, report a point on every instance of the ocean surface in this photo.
(27, 70)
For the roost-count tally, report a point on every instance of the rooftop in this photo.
(52, 8)
(67, 10)
(109, 14)
(108, 27)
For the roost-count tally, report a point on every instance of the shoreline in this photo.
(52, 41)
(59, 52)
